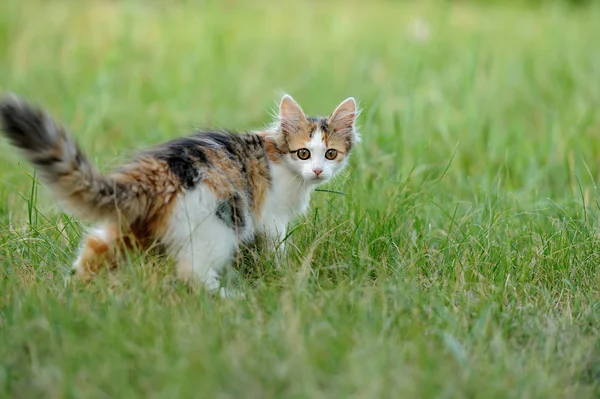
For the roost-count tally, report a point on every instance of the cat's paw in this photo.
(74, 276)
(79, 273)
(225, 293)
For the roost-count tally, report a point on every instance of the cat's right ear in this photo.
(291, 116)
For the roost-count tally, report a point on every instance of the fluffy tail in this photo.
(61, 165)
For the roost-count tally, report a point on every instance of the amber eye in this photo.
(303, 154)
(331, 154)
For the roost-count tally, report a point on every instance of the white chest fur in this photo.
(288, 197)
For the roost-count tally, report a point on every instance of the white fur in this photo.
(99, 233)
(288, 197)
(200, 242)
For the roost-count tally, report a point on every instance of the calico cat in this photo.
(199, 197)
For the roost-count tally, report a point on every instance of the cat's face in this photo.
(316, 149)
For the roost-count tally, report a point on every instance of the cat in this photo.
(200, 197)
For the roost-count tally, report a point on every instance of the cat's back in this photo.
(228, 164)
(205, 175)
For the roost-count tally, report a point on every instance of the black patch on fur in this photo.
(79, 157)
(185, 171)
(47, 161)
(231, 212)
(224, 139)
(254, 141)
(320, 123)
(106, 191)
(324, 125)
(183, 156)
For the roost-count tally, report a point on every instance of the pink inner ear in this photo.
(290, 110)
(344, 115)
(291, 116)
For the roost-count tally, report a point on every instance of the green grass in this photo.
(464, 261)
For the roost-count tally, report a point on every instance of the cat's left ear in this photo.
(291, 116)
(342, 120)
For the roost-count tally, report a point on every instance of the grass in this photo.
(463, 261)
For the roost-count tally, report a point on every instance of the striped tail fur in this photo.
(61, 165)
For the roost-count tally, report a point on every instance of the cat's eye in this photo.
(303, 154)
(331, 154)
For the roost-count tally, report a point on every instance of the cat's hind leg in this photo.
(100, 248)
(204, 233)
(210, 249)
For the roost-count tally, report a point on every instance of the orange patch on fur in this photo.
(339, 143)
(299, 140)
(224, 177)
(154, 191)
(96, 245)
(98, 252)
(260, 178)
(273, 153)
(218, 184)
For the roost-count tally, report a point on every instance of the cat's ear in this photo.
(343, 118)
(291, 116)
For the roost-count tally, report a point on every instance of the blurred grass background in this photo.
(462, 263)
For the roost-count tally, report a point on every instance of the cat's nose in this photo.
(318, 171)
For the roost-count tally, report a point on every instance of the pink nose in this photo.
(318, 171)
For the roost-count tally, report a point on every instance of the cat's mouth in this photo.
(316, 179)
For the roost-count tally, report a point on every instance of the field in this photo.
(463, 261)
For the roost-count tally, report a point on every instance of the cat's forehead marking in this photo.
(313, 126)
(318, 125)
(324, 125)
